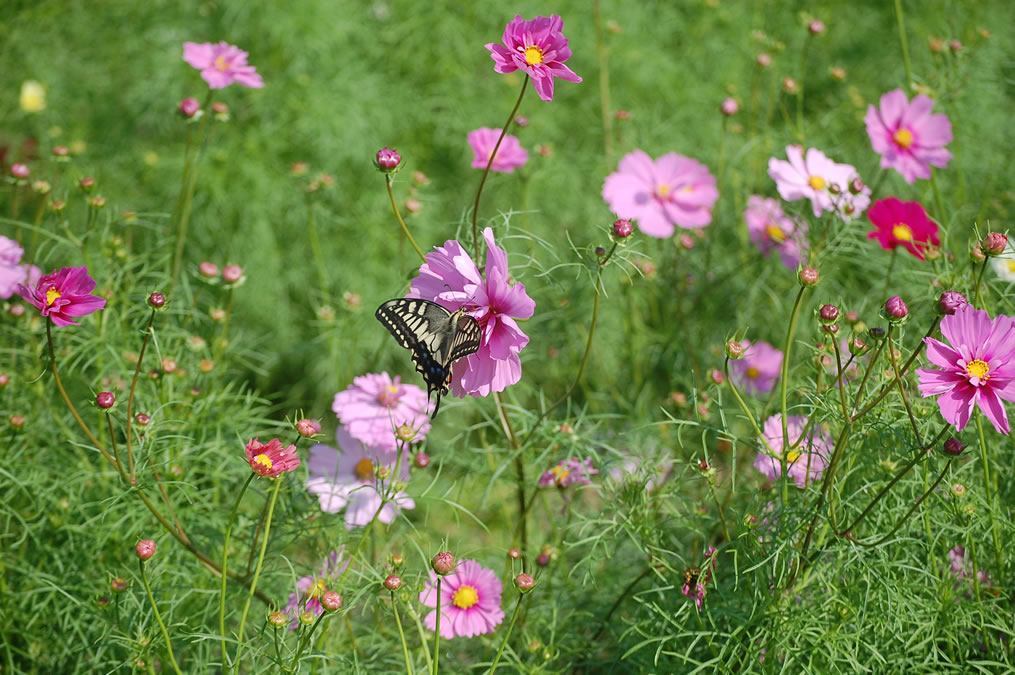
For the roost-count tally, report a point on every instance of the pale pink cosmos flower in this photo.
(806, 461)
(771, 229)
(659, 194)
(347, 479)
(309, 589)
(976, 368)
(812, 177)
(510, 155)
(11, 273)
(907, 136)
(63, 294)
(450, 278)
(470, 601)
(569, 472)
(758, 370)
(376, 404)
(221, 64)
(538, 48)
(696, 579)
(962, 566)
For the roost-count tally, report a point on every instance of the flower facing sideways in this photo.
(807, 459)
(771, 229)
(816, 177)
(470, 601)
(271, 459)
(905, 224)
(538, 48)
(569, 472)
(510, 155)
(758, 370)
(64, 294)
(221, 64)
(907, 136)
(310, 589)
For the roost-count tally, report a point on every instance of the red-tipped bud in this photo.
(735, 349)
(232, 274)
(808, 276)
(20, 171)
(209, 270)
(308, 428)
(729, 107)
(686, 241)
(789, 85)
(105, 400)
(156, 301)
(816, 27)
(524, 583)
(145, 549)
(954, 447)
(393, 582)
(387, 160)
(895, 309)
(4, 379)
(858, 346)
(514, 553)
(189, 107)
(87, 183)
(716, 376)
(951, 302)
(97, 202)
(828, 314)
(994, 243)
(142, 419)
(421, 460)
(443, 563)
(331, 601)
(976, 254)
(622, 228)
(764, 60)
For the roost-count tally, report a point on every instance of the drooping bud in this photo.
(443, 563)
(808, 276)
(951, 302)
(954, 447)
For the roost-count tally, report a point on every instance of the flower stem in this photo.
(158, 617)
(905, 45)
(938, 202)
(130, 397)
(507, 636)
(784, 386)
(977, 302)
(66, 399)
(401, 634)
(620, 599)
(719, 509)
(888, 386)
(800, 88)
(305, 640)
(902, 390)
(914, 507)
(988, 493)
(489, 163)
(315, 247)
(747, 410)
(257, 573)
(437, 630)
(187, 186)
(225, 559)
(405, 229)
(891, 268)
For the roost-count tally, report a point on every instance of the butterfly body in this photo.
(436, 337)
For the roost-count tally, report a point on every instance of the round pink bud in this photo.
(816, 27)
(232, 273)
(829, 314)
(895, 308)
(189, 107)
(16, 310)
(105, 400)
(808, 276)
(4, 379)
(331, 601)
(764, 60)
(622, 228)
(421, 460)
(858, 346)
(955, 46)
(17, 421)
(87, 183)
(856, 186)
(387, 160)
(443, 563)
(60, 151)
(994, 243)
(208, 269)
(838, 73)
(735, 349)
(729, 107)
(118, 584)
(168, 365)
(716, 375)
(951, 302)
(524, 583)
(600, 251)
(789, 85)
(308, 428)
(145, 549)
(413, 205)
(278, 619)
(142, 419)
(953, 446)
(976, 254)
(543, 560)
(686, 241)
(514, 553)
(156, 301)
(20, 171)
(522, 121)
(393, 582)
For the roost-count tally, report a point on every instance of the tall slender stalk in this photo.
(225, 560)
(507, 636)
(783, 388)
(158, 617)
(130, 397)
(988, 493)
(900, 21)
(405, 229)
(401, 634)
(437, 630)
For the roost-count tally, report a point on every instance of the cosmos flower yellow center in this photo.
(388, 396)
(559, 474)
(753, 373)
(978, 369)
(465, 597)
(663, 191)
(317, 589)
(817, 182)
(221, 63)
(533, 55)
(1011, 266)
(775, 233)
(51, 295)
(364, 469)
(263, 460)
(903, 138)
(792, 456)
(902, 232)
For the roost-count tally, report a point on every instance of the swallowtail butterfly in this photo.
(436, 337)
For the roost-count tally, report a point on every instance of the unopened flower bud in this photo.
(105, 400)
(17, 421)
(514, 553)
(837, 73)
(443, 563)
(876, 334)
(387, 160)
(686, 241)
(331, 601)
(232, 274)
(951, 302)
(764, 60)
(994, 243)
(856, 186)
(20, 171)
(729, 107)
(816, 27)
(220, 110)
(145, 549)
(209, 270)
(600, 251)
(118, 584)
(858, 346)
(976, 254)
(959, 490)
(413, 205)
(421, 460)
(103, 602)
(896, 309)
(308, 428)
(955, 46)
(543, 559)
(87, 183)
(4, 379)
(716, 376)
(397, 560)
(168, 365)
(405, 433)
(623, 115)
(142, 419)
(524, 583)
(808, 276)
(41, 187)
(308, 618)
(278, 619)
(156, 301)
(789, 85)
(954, 446)
(622, 228)
(382, 472)
(393, 582)
(735, 349)
(189, 107)
(60, 151)
(828, 314)
(206, 366)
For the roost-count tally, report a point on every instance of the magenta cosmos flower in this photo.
(807, 459)
(758, 370)
(658, 194)
(772, 230)
(538, 48)
(271, 459)
(470, 601)
(450, 278)
(903, 224)
(375, 405)
(64, 294)
(976, 368)
(569, 472)
(309, 590)
(221, 64)
(907, 136)
(347, 479)
(510, 155)
(812, 176)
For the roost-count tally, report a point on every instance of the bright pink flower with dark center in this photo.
(807, 458)
(375, 405)
(659, 194)
(538, 48)
(221, 64)
(907, 136)
(64, 294)
(510, 155)
(271, 459)
(905, 224)
(450, 277)
(976, 368)
(770, 228)
(470, 601)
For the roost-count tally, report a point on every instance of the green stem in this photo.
(158, 617)
(188, 184)
(306, 638)
(784, 386)
(437, 630)
(130, 397)
(507, 636)
(315, 247)
(891, 268)
(719, 509)
(938, 202)
(401, 634)
(905, 518)
(405, 229)
(977, 302)
(905, 45)
(988, 487)
(747, 411)
(800, 88)
(225, 559)
(66, 399)
(902, 390)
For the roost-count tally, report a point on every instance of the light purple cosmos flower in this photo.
(771, 229)
(758, 370)
(538, 48)
(450, 278)
(907, 136)
(510, 155)
(375, 405)
(659, 194)
(470, 601)
(309, 590)
(569, 472)
(811, 177)
(696, 579)
(11, 273)
(64, 294)
(806, 461)
(221, 64)
(348, 479)
(962, 566)
(977, 368)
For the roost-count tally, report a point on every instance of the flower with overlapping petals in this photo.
(470, 601)
(758, 370)
(907, 136)
(450, 278)
(510, 155)
(536, 47)
(812, 176)
(569, 472)
(905, 224)
(771, 229)
(659, 194)
(271, 459)
(975, 368)
(805, 460)
(221, 64)
(309, 589)
(376, 404)
(63, 294)
(12, 274)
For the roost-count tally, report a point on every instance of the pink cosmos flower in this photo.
(347, 478)
(309, 590)
(758, 370)
(771, 229)
(375, 405)
(538, 48)
(12, 274)
(63, 294)
(811, 178)
(271, 459)
(696, 579)
(977, 368)
(510, 155)
(806, 461)
(962, 566)
(658, 194)
(568, 472)
(907, 136)
(221, 64)
(470, 601)
(903, 224)
(450, 278)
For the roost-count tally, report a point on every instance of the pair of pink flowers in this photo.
(830, 186)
